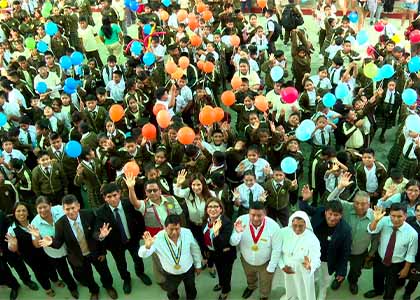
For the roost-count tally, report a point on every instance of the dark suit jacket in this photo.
(339, 248)
(64, 235)
(222, 247)
(381, 174)
(135, 222)
(412, 221)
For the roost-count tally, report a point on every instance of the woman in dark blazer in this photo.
(217, 229)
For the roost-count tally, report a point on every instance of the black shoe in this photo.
(354, 289)
(75, 294)
(31, 285)
(14, 293)
(217, 288)
(112, 293)
(382, 139)
(335, 285)
(371, 294)
(247, 293)
(127, 286)
(145, 279)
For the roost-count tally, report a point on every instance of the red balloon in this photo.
(379, 26)
(158, 107)
(289, 94)
(131, 169)
(415, 36)
(149, 131)
(186, 135)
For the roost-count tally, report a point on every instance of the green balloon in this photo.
(47, 6)
(370, 70)
(30, 43)
(45, 13)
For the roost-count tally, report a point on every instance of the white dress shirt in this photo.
(259, 168)
(23, 135)
(116, 90)
(257, 191)
(123, 218)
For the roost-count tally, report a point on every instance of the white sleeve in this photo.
(143, 252)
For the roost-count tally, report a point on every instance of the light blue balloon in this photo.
(387, 71)
(353, 17)
(51, 28)
(409, 96)
(302, 135)
(289, 165)
(378, 77)
(71, 83)
(149, 59)
(136, 48)
(276, 73)
(412, 122)
(362, 37)
(41, 87)
(73, 149)
(134, 5)
(304, 130)
(147, 29)
(76, 58)
(341, 91)
(414, 64)
(329, 100)
(3, 119)
(127, 3)
(68, 90)
(351, 39)
(166, 2)
(65, 62)
(42, 46)
(78, 70)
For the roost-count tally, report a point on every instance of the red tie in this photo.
(207, 238)
(390, 248)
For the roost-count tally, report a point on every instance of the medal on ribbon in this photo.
(257, 237)
(176, 257)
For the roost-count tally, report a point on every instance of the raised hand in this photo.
(345, 180)
(236, 194)
(239, 227)
(378, 213)
(148, 239)
(216, 227)
(104, 231)
(10, 239)
(130, 180)
(306, 193)
(182, 175)
(79, 169)
(307, 263)
(390, 191)
(294, 182)
(46, 241)
(267, 170)
(34, 231)
(263, 197)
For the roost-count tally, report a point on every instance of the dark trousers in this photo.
(173, 281)
(385, 279)
(410, 287)
(356, 265)
(224, 271)
(271, 47)
(84, 272)
(7, 277)
(197, 232)
(61, 267)
(321, 39)
(42, 270)
(282, 214)
(119, 256)
(16, 262)
(286, 36)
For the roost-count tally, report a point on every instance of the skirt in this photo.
(394, 153)
(409, 167)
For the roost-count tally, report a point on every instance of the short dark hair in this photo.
(69, 199)
(151, 181)
(108, 188)
(258, 205)
(172, 219)
(334, 206)
(368, 151)
(398, 206)
(42, 199)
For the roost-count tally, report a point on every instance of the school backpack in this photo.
(291, 18)
(277, 30)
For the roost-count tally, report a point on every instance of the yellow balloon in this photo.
(370, 70)
(4, 4)
(396, 38)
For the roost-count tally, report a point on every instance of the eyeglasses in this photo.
(213, 206)
(152, 191)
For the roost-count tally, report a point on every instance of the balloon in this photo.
(414, 64)
(219, 114)
(71, 83)
(362, 37)
(370, 50)
(30, 43)
(195, 40)
(4, 4)
(261, 103)
(228, 98)
(116, 112)
(164, 15)
(51, 28)
(276, 73)
(186, 135)
(378, 77)
(236, 82)
(147, 29)
(207, 15)
(3, 119)
(163, 118)
(289, 165)
(136, 48)
(131, 169)
(41, 87)
(177, 74)
(45, 13)
(329, 100)
(379, 26)
(208, 67)
(68, 90)
(351, 39)
(409, 96)
(149, 131)
(415, 36)
(305, 130)
(200, 65)
(289, 94)
(235, 40)
(166, 3)
(42, 46)
(158, 107)
(201, 7)
(149, 58)
(353, 17)
(65, 62)
(412, 122)
(341, 91)
(134, 5)
(262, 3)
(396, 39)
(73, 149)
(127, 134)
(170, 67)
(370, 70)
(183, 62)
(47, 6)
(76, 58)
(387, 71)
(182, 15)
(207, 116)
(193, 23)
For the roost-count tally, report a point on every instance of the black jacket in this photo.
(222, 247)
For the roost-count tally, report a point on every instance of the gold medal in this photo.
(177, 267)
(254, 247)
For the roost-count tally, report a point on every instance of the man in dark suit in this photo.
(128, 228)
(76, 231)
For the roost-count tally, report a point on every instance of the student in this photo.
(116, 87)
(95, 115)
(258, 166)
(247, 193)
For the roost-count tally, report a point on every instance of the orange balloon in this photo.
(261, 103)
(186, 135)
(207, 15)
(116, 112)
(193, 24)
(219, 114)
(208, 67)
(191, 16)
(201, 7)
(200, 64)
(182, 15)
(164, 15)
(163, 118)
(235, 40)
(158, 107)
(183, 62)
(236, 82)
(177, 74)
(262, 3)
(149, 131)
(131, 169)
(195, 40)
(207, 117)
(170, 67)
(228, 98)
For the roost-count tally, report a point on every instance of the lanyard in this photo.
(175, 256)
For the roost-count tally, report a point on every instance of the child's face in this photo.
(243, 68)
(323, 74)
(48, 112)
(309, 86)
(8, 146)
(278, 175)
(116, 78)
(44, 161)
(249, 180)
(391, 86)
(217, 138)
(358, 105)
(131, 147)
(264, 136)
(65, 100)
(110, 127)
(239, 145)
(160, 158)
(321, 123)
(260, 32)
(248, 102)
(389, 47)
(302, 53)
(347, 47)
(83, 24)
(368, 159)
(252, 156)
(56, 106)
(132, 104)
(103, 143)
(345, 24)
(91, 104)
(294, 120)
(253, 20)
(172, 135)
(293, 146)
(253, 119)
(210, 48)
(101, 97)
(152, 174)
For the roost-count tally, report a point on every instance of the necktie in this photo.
(390, 248)
(93, 114)
(81, 239)
(58, 154)
(124, 238)
(332, 75)
(29, 138)
(47, 171)
(207, 238)
(323, 137)
(391, 99)
(278, 187)
(253, 169)
(250, 197)
(407, 153)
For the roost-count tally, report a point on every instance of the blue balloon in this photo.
(378, 77)
(73, 149)
(42, 46)
(127, 3)
(409, 96)
(147, 29)
(362, 37)
(304, 130)
(166, 2)
(41, 87)
(387, 71)
(341, 91)
(414, 64)
(3, 119)
(71, 83)
(351, 39)
(68, 90)
(412, 122)
(289, 165)
(51, 28)
(65, 62)
(149, 59)
(134, 5)
(78, 70)
(76, 58)
(329, 100)
(136, 48)
(276, 73)
(353, 17)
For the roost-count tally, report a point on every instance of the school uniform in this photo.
(89, 140)
(408, 161)
(50, 182)
(23, 184)
(92, 178)
(96, 118)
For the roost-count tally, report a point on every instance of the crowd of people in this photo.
(205, 137)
